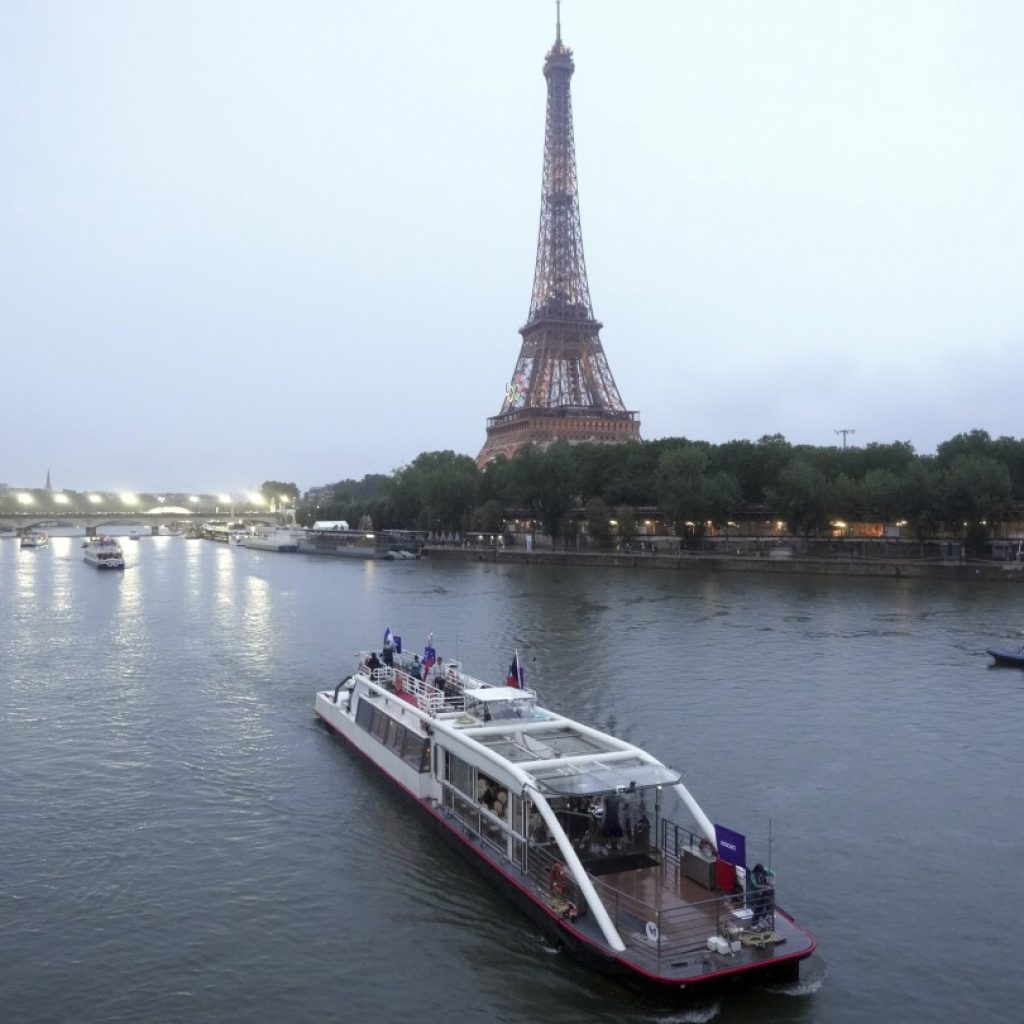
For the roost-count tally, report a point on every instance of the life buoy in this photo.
(706, 849)
(557, 878)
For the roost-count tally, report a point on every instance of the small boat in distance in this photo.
(34, 538)
(596, 840)
(1008, 656)
(104, 553)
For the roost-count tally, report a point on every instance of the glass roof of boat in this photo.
(543, 745)
(592, 778)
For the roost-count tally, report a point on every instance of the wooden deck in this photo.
(661, 886)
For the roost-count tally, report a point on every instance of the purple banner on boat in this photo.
(732, 846)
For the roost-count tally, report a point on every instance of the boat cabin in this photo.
(500, 703)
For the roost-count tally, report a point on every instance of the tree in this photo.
(276, 493)
(975, 442)
(801, 496)
(721, 495)
(437, 490)
(598, 518)
(489, 516)
(626, 520)
(975, 488)
(917, 494)
(555, 488)
(680, 482)
(881, 494)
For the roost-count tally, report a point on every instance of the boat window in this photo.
(392, 737)
(519, 815)
(467, 812)
(459, 773)
(379, 725)
(364, 715)
(492, 796)
(519, 853)
(414, 751)
(494, 833)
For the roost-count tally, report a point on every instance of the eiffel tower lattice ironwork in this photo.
(562, 386)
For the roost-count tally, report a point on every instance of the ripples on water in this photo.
(180, 841)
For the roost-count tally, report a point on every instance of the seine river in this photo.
(181, 841)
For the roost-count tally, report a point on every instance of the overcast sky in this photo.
(243, 240)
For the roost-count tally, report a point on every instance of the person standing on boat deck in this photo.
(438, 679)
(416, 668)
(388, 654)
(612, 827)
(626, 816)
(373, 662)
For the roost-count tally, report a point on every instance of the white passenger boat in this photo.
(34, 538)
(104, 553)
(598, 841)
(272, 538)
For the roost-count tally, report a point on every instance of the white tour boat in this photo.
(598, 841)
(34, 538)
(272, 538)
(104, 553)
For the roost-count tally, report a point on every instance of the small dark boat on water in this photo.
(1008, 656)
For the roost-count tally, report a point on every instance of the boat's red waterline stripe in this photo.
(561, 921)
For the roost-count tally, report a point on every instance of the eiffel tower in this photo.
(562, 386)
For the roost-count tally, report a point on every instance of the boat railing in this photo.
(676, 840)
(477, 822)
(426, 696)
(670, 932)
(556, 885)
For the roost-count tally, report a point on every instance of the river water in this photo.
(181, 841)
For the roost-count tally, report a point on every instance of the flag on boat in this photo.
(516, 673)
(389, 638)
(429, 654)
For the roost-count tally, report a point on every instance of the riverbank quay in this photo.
(962, 570)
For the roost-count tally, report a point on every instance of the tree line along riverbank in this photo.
(970, 491)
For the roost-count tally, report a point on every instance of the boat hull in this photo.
(389, 546)
(781, 968)
(271, 540)
(1007, 657)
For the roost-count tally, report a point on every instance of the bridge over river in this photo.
(96, 522)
